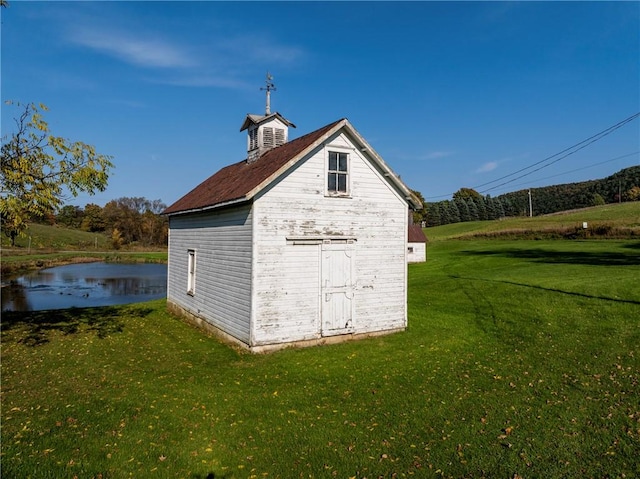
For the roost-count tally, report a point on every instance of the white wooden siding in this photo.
(223, 268)
(286, 295)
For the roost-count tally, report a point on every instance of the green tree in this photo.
(137, 220)
(466, 193)
(121, 214)
(463, 209)
(597, 200)
(70, 216)
(420, 215)
(481, 207)
(507, 206)
(433, 216)
(454, 212)
(499, 208)
(38, 167)
(445, 213)
(491, 208)
(93, 220)
(474, 215)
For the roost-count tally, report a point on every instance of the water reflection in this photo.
(84, 285)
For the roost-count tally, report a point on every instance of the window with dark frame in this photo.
(191, 272)
(337, 173)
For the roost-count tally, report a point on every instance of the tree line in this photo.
(469, 205)
(128, 221)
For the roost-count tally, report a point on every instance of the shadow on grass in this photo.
(632, 245)
(211, 475)
(566, 257)
(36, 326)
(553, 290)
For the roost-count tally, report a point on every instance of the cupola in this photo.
(267, 131)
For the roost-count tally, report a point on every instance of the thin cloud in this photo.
(144, 52)
(217, 64)
(487, 167)
(216, 59)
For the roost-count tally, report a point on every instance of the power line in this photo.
(569, 151)
(580, 169)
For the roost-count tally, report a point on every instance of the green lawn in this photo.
(521, 359)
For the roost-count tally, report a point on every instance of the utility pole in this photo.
(530, 205)
(619, 191)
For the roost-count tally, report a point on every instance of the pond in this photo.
(84, 285)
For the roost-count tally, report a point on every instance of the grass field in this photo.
(521, 359)
(46, 237)
(622, 219)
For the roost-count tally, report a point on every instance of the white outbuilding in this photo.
(417, 245)
(303, 242)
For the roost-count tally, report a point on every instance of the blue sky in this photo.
(450, 94)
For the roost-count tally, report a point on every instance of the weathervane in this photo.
(270, 87)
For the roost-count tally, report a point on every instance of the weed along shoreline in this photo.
(17, 262)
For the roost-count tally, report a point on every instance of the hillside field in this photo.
(624, 217)
(47, 237)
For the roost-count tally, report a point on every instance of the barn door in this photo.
(337, 288)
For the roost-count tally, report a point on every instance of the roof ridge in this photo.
(234, 182)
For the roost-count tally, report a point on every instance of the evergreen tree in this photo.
(499, 208)
(507, 205)
(454, 212)
(433, 214)
(463, 209)
(491, 210)
(445, 213)
(473, 210)
(481, 207)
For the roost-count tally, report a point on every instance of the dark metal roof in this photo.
(233, 183)
(416, 235)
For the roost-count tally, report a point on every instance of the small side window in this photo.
(191, 272)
